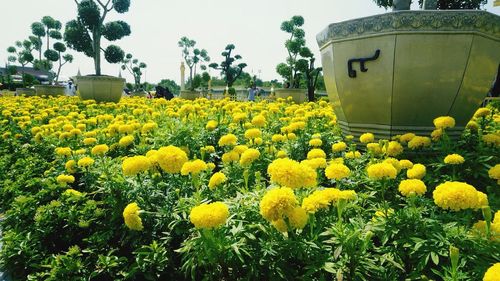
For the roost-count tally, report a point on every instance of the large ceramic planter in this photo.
(189, 95)
(298, 95)
(28, 92)
(100, 88)
(49, 90)
(394, 73)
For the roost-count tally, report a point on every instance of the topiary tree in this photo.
(230, 72)
(442, 4)
(84, 34)
(134, 67)
(309, 72)
(192, 56)
(293, 45)
(21, 53)
(62, 58)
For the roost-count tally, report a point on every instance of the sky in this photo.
(157, 25)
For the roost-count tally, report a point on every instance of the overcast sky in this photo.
(157, 25)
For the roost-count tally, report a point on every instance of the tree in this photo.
(21, 53)
(230, 72)
(293, 45)
(442, 4)
(171, 85)
(309, 71)
(63, 59)
(134, 67)
(192, 56)
(84, 34)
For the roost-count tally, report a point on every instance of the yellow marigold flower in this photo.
(64, 179)
(352, 155)
(70, 166)
(277, 202)
(315, 142)
(208, 149)
(339, 146)
(194, 167)
(258, 141)
(291, 136)
(208, 216)
(322, 199)
(239, 117)
(316, 153)
(63, 151)
(412, 187)
(494, 172)
(297, 218)
(278, 138)
(482, 112)
(100, 149)
(148, 127)
(444, 122)
(366, 138)
(374, 147)
(125, 129)
(416, 172)
(85, 162)
(381, 214)
(6, 135)
(472, 125)
(80, 151)
(249, 156)
(126, 141)
(240, 148)
(337, 171)
(252, 133)
(347, 195)
(492, 139)
(170, 159)
(315, 163)
(211, 125)
(280, 225)
(259, 121)
(493, 273)
(393, 148)
(227, 140)
(131, 216)
(454, 159)
(216, 179)
(437, 134)
(211, 166)
(231, 156)
(405, 164)
(419, 142)
(281, 154)
(89, 141)
(482, 199)
(290, 173)
(456, 196)
(134, 165)
(406, 137)
(394, 162)
(72, 193)
(381, 170)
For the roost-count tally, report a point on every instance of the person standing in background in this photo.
(252, 92)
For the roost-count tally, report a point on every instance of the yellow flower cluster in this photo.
(170, 158)
(72, 193)
(63, 151)
(85, 162)
(216, 180)
(382, 170)
(100, 149)
(337, 171)
(193, 167)
(228, 140)
(134, 165)
(480, 227)
(322, 199)
(290, 173)
(412, 187)
(416, 172)
(419, 142)
(494, 172)
(339, 146)
(315, 142)
(277, 202)
(253, 133)
(208, 216)
(406, 138)
(493, 273)
(454, 159)
(131, 216)
(457, 196)
(248, 156)
(126, 141)
(482, 112)
(316, 153)
(393, 149)
(211, 125)
(352, 155)
(64, 179)
(444, 122)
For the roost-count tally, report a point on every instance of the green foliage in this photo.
(171, 85)
(442, 4)
(230, 72)
(134, 67)
(294, 45)
(21, 53)
(192, 56)
(84, 33)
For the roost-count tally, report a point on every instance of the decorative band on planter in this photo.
(428, 64)
(49, 90)
(100, 88)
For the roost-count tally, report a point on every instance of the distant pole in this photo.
(183, 69)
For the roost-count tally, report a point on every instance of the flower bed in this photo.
(225, 190)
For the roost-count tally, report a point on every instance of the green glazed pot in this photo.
(298, 95)
(49, 90)
(394, 73)
(100, 88)
(28, 92)
(189, 95)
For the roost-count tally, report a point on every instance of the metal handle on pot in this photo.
(362, 61)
